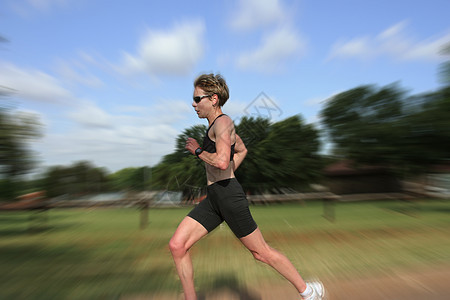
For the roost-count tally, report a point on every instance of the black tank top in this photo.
(210, 146)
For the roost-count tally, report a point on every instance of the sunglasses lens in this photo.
(197, 99)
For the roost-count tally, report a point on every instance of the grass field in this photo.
(102, 253)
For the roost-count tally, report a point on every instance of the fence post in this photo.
(144, 214)
(329, 202)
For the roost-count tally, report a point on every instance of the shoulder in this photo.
(223, 124)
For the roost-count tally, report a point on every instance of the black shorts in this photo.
(225, 201)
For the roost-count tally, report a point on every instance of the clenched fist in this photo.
(191, 145)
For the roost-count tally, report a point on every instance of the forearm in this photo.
(240, 151)
(238, 158)
(218, 159)
(213, 159)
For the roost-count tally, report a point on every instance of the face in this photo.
(205, 106)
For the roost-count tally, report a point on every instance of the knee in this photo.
(258, 257)
(177, 248)
(264, 255)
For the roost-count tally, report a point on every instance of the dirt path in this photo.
(424, 284)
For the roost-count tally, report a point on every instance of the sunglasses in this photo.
(197, 99)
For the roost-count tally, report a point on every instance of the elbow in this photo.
(242, 154)
(223, 165)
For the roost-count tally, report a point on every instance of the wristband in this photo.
(198, 151)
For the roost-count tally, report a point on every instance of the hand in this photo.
(191, 145)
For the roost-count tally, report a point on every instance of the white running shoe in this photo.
(318, 290)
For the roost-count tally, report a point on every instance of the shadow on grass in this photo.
(30, 222)
(22, 254)
(443, 208)
(229, 284)
(40, 271)
(26, 228)
(414, 208)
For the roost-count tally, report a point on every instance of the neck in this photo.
(214, 115)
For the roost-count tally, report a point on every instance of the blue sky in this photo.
(111, 81)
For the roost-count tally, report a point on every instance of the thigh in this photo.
(207, 214)
(254, 241)
(236, 211)
(189, 232)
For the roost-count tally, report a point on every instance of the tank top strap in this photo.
(215, 121)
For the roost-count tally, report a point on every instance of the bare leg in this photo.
(263, 252)
(187, 234)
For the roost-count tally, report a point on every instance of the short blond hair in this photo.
(213, 84)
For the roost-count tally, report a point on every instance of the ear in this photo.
(215, 99)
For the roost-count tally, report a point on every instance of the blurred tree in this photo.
(17, 130)
(180, 170)
(360, 122)
(382, 126)
(253, 132)
(78, 179)
(282, 154)
(427, 129)
(136, 179)
(445, 67)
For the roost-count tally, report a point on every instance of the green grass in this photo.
(102, 253)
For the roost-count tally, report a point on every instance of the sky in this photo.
(112, 81)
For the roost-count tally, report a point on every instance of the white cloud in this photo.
(32, 84)
(91, 116)
(393, 42)
(321, 99)
(357, 47)
(76, 73)
(112, 149)
(428, 49)
(280, 43)
(393, 31)
(46, 4)
(127, 136)
(171, 52)
(252, 14)
(235, 109)
(276, 50)
(25, 8)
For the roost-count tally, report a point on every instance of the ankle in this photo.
(307, 292)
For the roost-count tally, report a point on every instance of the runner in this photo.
(223, 151)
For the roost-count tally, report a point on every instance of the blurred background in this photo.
(338, 104)
(88, 115)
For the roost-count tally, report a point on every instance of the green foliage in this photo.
(102, 254)
(360, 120)
(17, 130)
(383, 126)
(180, 170)
(283, 154)
(131, 179)
(427, 129)
(445, 67)
(187, 173)
(78, 179)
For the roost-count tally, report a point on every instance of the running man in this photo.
(223, 151)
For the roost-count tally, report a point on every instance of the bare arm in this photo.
(240, 151)
(222, 131)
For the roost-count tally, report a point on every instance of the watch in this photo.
(198, 151)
